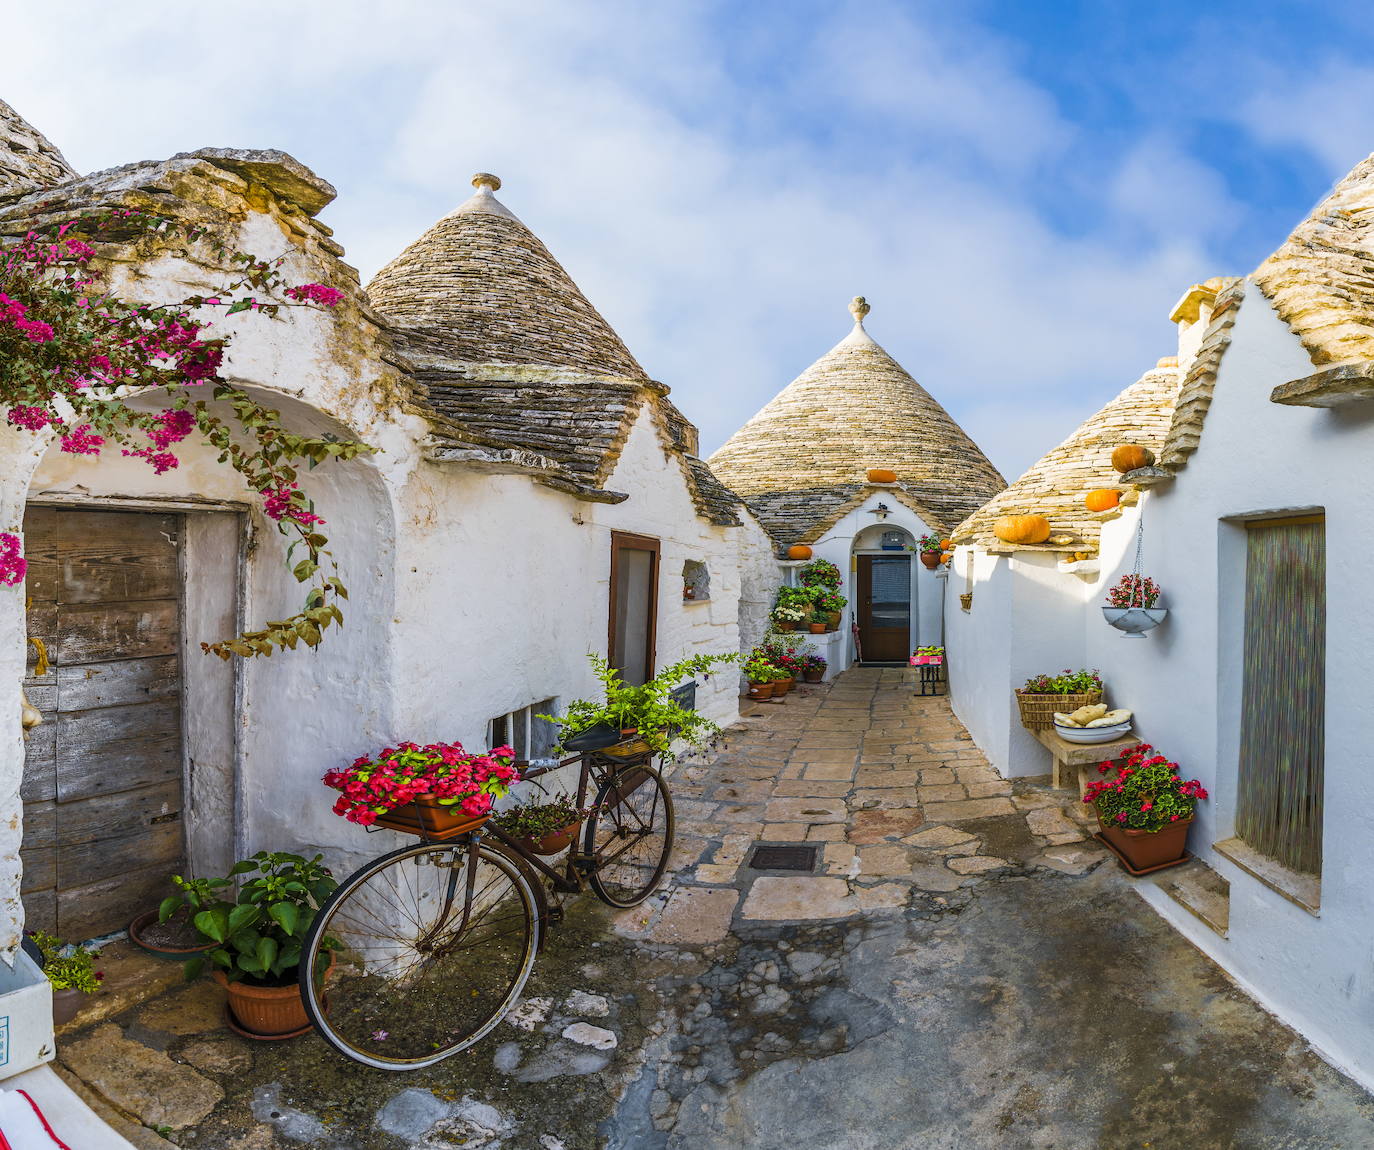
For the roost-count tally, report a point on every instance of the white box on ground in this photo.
(26, 1038)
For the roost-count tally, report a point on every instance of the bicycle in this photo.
(429, 946)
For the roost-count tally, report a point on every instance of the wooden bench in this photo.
(1080, 760)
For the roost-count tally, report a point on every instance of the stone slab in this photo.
(968, 809)
(803, 897)
(141, 1081)
(696, 916)
(805, 810)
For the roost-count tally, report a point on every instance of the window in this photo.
(696, 581)
(634, 606)
(532, 738)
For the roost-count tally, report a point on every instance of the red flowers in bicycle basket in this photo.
(398, 775)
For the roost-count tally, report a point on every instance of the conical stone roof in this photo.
(802, 462)
(28, 159)
(480, 288)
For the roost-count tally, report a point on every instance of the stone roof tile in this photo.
(1056, 484)
(801, 462)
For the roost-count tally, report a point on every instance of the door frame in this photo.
(628, 541)
(913, 618)
(198, 846)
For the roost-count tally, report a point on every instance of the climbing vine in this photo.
(72, 351)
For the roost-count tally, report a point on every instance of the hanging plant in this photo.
(71, 352)
(1132, 604)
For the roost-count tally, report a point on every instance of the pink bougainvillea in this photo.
(315, 293)
(13, 565)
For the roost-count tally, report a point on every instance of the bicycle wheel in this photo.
(433, 945)
(629, 835)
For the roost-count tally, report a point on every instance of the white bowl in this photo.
(1093, 734)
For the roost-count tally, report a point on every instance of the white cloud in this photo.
(1327, 109)
(719, 204)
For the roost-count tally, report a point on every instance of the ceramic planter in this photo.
(551, 843)
(782, 686)
(1144, 851)
(930, 560)
(427, 817)
(814, 676)
(760, 691)
(1134, 621)
(785, 626)
(818, 628)
(266, 1013)
(67, 1004)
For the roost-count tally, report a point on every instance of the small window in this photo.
(530, 736)
(696, 581)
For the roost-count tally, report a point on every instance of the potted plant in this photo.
(830, 605)
(257, 941)
(928, 656)
(439, 790)
(1144, 809)
(1131, 606)
(648, 711)
(542, 828)
(820, 573)
(930, 551)
(70, 968)
(759, 672)
(787, 618)
(813, 668)
(168, 931)
(1044, 694)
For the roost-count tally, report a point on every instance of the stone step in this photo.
(1199, 889)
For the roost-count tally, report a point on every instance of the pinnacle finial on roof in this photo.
(486, 180)
(858, 308)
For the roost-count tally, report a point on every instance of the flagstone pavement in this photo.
(961, 968)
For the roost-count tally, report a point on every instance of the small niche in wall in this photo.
(696, 582)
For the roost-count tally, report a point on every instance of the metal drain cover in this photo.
(769, 857)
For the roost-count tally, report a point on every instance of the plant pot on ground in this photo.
(70, 969)
(1144, 807)
(258, 941)
(174, 937)
(760, 691)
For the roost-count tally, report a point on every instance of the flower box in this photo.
(427, 817)
(1141, 852)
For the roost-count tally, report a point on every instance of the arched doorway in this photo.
(884, 594)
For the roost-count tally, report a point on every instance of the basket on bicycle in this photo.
(427, 817)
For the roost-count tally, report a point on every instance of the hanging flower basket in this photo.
(1132, 605)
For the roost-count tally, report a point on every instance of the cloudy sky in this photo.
(1021, 189)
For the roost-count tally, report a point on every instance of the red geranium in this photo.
(399, 775)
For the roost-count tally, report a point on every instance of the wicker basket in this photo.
(1037, 711)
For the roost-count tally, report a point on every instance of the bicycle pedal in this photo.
(555, 914)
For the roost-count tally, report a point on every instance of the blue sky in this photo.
(1021, 190)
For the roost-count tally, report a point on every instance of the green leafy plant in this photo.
(1146, 793)
(929, 543)
(1067, 682)
(801, 597)
(759, 670)
(535, 820)
(68, 966)
(649, 709)
(828, 602)
(194, 894)
(820, 573)
(260, 934)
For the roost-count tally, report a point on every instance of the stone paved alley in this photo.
(964, 968)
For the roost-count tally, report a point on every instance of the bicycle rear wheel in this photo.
(433, 945)
(629, 835)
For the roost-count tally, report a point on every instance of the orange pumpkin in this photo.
(1103, 499)
(1130, 456)
(881, 475)
(799, 551)
(946, 544)
(946, 556)
(1022, 529)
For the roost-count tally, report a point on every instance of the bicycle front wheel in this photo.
(432, 945)
(629, 835)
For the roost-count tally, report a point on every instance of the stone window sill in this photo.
(693, 602)
(1302, 890)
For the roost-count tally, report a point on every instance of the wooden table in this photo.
(1081, 760)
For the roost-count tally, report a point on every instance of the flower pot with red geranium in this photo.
(930, 550)
(1144, 807)
(436, 791)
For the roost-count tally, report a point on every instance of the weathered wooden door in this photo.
(634, 605)
(103, 773)
(884, 607)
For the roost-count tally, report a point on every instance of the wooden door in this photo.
(884, 607)
(634, 606)
(103, 773)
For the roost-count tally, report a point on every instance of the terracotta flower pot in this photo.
(427, 817)
(786, 626)
(146, 933)
(551, 843)
(782, 686)
(1148, 850)
(760, 690)
(67, 1004)
(267, 1012)
(817, 628)
(814, 676)
(930, 560)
